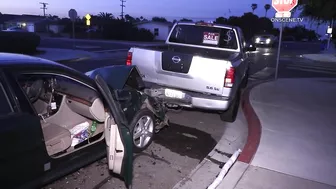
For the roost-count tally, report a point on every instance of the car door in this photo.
(23, 154)
(117, 136)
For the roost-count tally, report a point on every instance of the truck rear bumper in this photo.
(209, 104)
(191, 99)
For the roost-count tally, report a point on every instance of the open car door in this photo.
(117, 136)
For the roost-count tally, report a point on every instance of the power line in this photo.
(122, 8)
(44, 7)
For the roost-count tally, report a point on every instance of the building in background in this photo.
(4, 18)
(30, 23)
(159, 29)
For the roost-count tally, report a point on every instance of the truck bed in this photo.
(194, 51)
(199, 70)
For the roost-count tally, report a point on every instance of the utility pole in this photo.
(122, 8)
(44, 7)
(330, 34)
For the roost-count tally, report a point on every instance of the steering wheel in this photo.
(34, 91)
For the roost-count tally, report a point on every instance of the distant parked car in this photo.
(92, 30)
(15, 29)
(324, 38)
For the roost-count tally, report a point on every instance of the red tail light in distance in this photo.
(129, 59)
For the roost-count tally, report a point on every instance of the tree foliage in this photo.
(318, 10)
(106, 26)
(186, 20)
(159, 19)
(249, 23)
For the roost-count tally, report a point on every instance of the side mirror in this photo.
(250, 48)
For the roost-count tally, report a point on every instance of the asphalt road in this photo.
(178, 149)
(81, 45)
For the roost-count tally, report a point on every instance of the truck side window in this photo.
(5, 107)
(242, 38)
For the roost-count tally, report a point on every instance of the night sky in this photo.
(171, 9)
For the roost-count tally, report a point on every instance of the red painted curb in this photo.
(254, 127)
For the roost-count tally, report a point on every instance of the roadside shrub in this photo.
(121, 30)
(144, 35)
(19, 42)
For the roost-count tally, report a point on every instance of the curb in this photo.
(130, 43)
(254, 126)
(250, 147)
(110, 51)
(73, 60)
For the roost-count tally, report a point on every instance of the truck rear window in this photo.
(204, 36)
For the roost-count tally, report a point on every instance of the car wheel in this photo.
(142, 128)
(230, 114)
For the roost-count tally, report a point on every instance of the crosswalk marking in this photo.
(262, 74)
(109, 51)
(313, 67)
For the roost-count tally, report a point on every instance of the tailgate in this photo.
(182, 71)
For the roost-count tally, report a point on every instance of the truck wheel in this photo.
(245, 80)
(230, 114)
(142, 128)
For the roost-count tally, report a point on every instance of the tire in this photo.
(142, 132)
(230, 114)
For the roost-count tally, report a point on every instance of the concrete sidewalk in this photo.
(297, 147)
(325, 56)
(65, 55)
(234, 138)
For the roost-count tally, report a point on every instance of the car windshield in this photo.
(204, 36)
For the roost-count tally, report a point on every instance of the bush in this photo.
(121, 30)
(144, 35)
(19, 42)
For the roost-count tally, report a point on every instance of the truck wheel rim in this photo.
(143, 131)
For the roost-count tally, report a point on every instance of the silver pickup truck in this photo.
(201, 66)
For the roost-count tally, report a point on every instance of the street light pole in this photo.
(329, 38)
(278, 55)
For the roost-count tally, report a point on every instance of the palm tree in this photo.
(254, 6)
(267, 7)
(106, 16)
(318, 26)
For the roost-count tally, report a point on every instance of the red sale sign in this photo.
(210, 38)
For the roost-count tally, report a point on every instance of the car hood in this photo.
(117, 77)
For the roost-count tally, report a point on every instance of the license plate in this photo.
(174, 94)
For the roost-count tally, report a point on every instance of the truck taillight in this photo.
(229, 77)
(129, 59)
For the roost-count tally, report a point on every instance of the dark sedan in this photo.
(56, 120)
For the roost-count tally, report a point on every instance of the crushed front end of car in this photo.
(128, 87)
